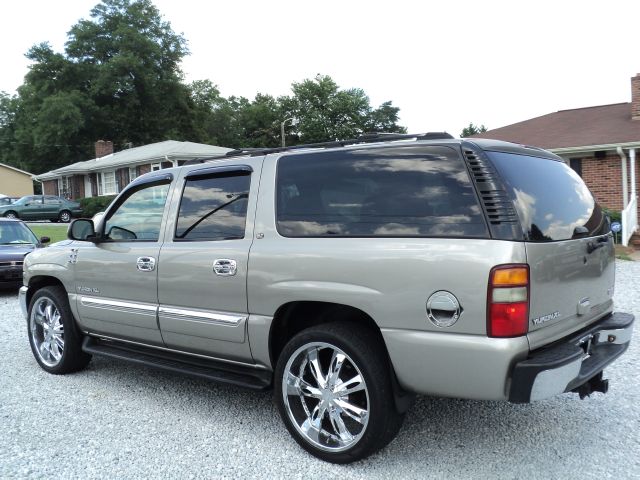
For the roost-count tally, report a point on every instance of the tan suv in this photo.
(348, 277)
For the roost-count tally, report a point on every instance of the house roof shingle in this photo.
(580, 127)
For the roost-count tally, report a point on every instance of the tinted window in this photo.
(396, 191)
(214, 207)
(139, 214)
(551, 199)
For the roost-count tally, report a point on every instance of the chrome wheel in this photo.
(11, 215)
(47, 331)
(326, 396)
(65, 216)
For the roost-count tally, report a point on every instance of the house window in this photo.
(64, 187)
(133, 173)
(107, 184)
(155, 167)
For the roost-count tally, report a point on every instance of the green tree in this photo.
(473, 130)
(119, 79)
(327, 113)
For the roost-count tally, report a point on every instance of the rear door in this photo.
(51, 207)
(568, 243)
(202, 277)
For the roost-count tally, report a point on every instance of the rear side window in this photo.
(214, 207)
(384, 192)
(552, 201)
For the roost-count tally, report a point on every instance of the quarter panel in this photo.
(390, 279)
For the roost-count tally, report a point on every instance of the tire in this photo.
(331, 424)
(65, 216)
(11, 214)
(53, 336)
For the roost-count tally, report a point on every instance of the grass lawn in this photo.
(54, 232)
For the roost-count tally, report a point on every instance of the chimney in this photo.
(106, 148)
(635, 97)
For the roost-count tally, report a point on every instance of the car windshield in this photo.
(23, 200)
(13, 233)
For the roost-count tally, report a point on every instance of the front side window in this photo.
(214, 207)
(37, 200)
(139, 215)
(384, 192)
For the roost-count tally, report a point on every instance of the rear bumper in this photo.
(571, 362)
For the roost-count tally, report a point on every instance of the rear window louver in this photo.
(498, 207)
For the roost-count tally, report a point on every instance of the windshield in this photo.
(23, 200)
(15, 233)
(552, 201)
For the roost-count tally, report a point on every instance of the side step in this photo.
(217, 371)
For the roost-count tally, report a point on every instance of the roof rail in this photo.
(372, 137)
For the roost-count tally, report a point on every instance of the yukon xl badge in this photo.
(545, 318)
(83, 289)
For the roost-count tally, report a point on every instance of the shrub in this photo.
(614, 215)
(92, 205)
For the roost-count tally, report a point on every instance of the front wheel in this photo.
(11, 215)
(54, 340)
(333, 390)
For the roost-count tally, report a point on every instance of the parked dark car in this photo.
(42, 207)
(7, 200)
(16, 241)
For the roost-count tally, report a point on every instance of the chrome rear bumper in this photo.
(570, 363)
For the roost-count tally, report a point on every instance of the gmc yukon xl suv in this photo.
(347, 276)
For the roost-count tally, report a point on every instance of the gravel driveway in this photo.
(120, 421)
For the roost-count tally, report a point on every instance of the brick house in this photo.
(110, 172)
(599, 143)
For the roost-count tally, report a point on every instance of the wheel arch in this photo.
(40, 281)
(293, 317)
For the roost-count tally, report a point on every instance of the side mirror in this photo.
(44, 240)
(82, 229)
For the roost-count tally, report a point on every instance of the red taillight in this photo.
(508, 301)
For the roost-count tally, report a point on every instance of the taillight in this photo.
(508, 301)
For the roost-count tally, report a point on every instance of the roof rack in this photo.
(364, 138)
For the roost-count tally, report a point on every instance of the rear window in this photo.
(552, 201)
(382, 192)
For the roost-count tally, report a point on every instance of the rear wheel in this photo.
(11, 214)
(333, 391)
(65, 216)
(55, 341)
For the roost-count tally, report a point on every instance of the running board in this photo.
(217, 371)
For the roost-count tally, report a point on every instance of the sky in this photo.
(444, 64)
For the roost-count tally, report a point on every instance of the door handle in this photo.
(146, 264)
(225, 267)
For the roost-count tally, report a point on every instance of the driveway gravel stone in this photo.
(115, 420)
